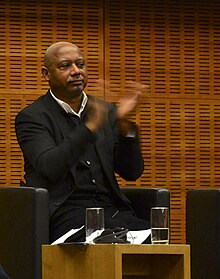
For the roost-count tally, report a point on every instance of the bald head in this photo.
(65, 71)
(54, 50)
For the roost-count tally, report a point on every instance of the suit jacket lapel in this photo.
(61, 117)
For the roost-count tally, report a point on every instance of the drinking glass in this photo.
(94, 223)
(159, 223)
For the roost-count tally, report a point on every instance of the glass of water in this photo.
(94, 223)
(159, 223)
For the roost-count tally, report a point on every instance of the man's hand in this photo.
(96, 115)
(126, 104)
(130, 100)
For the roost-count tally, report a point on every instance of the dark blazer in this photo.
(52, 145)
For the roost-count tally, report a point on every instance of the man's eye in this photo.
(65, 66)
(80, 65)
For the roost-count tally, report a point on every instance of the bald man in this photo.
(73, 144)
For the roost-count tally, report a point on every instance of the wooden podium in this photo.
(115, 261)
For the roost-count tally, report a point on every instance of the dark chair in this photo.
(203, 232)
(24, 224)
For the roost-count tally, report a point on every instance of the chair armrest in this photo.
(24, 220)
(143, 199)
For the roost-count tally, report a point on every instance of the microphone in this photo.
(117, 235)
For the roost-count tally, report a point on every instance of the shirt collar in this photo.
(68, 108)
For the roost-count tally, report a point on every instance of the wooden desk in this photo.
(116, 261)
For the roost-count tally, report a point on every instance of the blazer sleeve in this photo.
(128, 160)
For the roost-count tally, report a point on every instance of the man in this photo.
(73, 144)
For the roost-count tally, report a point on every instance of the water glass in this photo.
(94, 223)
(159, 225)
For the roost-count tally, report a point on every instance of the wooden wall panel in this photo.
(174, 46)
(29, 27)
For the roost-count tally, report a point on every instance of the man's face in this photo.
(66, 72)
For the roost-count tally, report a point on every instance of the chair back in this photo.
(203, 232)
(24, 227)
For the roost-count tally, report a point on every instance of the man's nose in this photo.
(74, 69)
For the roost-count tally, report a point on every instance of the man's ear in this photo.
(45, 73)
